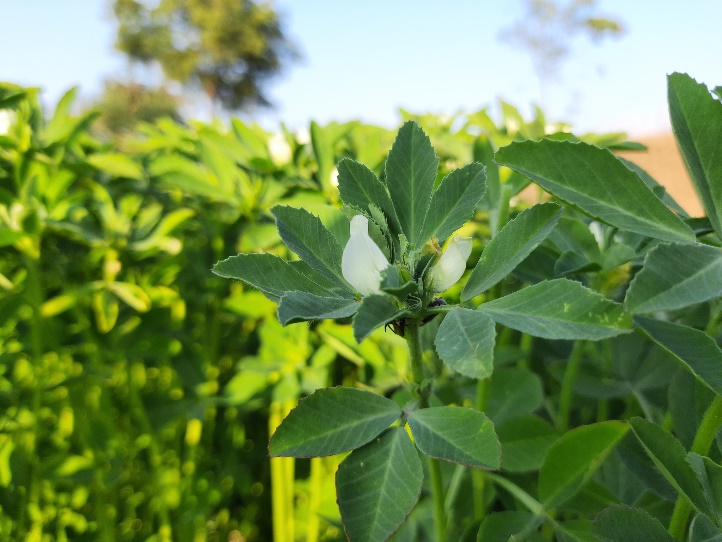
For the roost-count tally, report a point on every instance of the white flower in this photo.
(279, 149)
(303, 136)
(452, 264)
(6, 119)
(334, 177)
(362, 260)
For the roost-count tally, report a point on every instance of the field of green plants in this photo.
(566, 387)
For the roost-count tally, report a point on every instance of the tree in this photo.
(548, 27)
(227, 48)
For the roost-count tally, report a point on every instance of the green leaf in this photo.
(514, 392)
(571, 460)
(465, 342)
(453, 203)
(331, 421)
(375, 311)
(457, 434)
(511, 246)
(694, 349)
(709, 475)
(410, 177)
(655, 187)
(594, 180)
(359, 187)
(675, 276)
(559, 309)
(301, 306)
(115, 164)
(524, 442)
(268, 273)
(502, 526)
(378, 485)
(703, 530)
(305, 235)
(671, 459)
(696, 121)
(626, 524)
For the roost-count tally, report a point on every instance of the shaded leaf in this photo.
(375, 311)
(301, 306)
(524, 442)
(626, 524)
(465, 342)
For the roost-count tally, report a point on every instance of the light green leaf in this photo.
(697, 121)
(132, 295)
(671, 459)
(626, 524)
(559, 309)
(453, 203)
(410, 177)
(510, 246)
(331, 421)
(456, 434)
(465, 342)
(524, 442)
(268, 273)
(594, 180)
(301, 306)
(514, 392)
(378, 485)
(115, 164)
(359, 187)
(573, 459)
(694, 349)
(305, 235)
(675, 276)
(375, 311)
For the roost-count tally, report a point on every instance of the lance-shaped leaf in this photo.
(359, 187)
(697, 121)
(375, 311)
(268, 273)
(573, 459)
(302, 306)
(410, 177)
(709, 475)
(305, 235)
(559, 309)
(671, 459)
(331, 421)
(510, 246)
(694, 349)
(461, 435)
(465, 342)
(594, 180)
(378, 485)
(626, 524)
(453, 203)
(675, 276)
(703, 530)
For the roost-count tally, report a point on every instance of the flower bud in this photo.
(452, 264)
(362, 260)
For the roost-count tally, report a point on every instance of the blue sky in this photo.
(365, 59)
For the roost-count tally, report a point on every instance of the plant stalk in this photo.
(711, 423)
(478, 477)
(570, 375)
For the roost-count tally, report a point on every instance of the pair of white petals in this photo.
(363, 261)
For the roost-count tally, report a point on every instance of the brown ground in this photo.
(664, 163)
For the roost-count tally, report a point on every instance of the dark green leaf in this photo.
(460, 435)
(359, 187)
(697, 120)
(514, 392)
(453, 203)
(465, 342)
(703, 530)
(510, 246)
(626, 524)
(709, 475)
(378, 485)
(305, 235)
(696, 350)
(571, 460)
(268, 273)
(524, 442)
(594, 180)
(502, 526)
(410, 177)
(331, 421)
(301, 306)
(375, 311)
(559, 309)
(675, 276)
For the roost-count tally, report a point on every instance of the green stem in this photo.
(314, 500)
(278, 492)
(477, 475)
(570, 375)
(413, 339)
(703, 440)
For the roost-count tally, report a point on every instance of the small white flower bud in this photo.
(362, 260)
(279, 149)
(452, 264)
